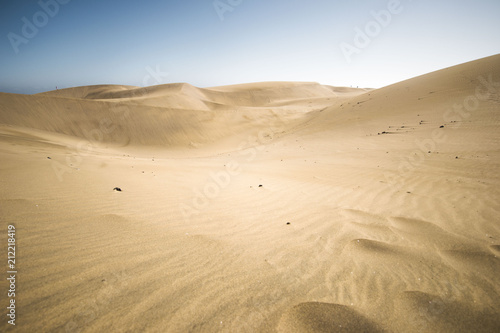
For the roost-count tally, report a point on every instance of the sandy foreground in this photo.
(263, 207)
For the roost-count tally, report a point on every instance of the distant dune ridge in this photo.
(260, 207)
(168, 115)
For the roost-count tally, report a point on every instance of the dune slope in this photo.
(263, 207)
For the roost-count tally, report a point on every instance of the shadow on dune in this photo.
(324, 317)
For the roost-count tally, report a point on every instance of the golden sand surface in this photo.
(261, 207)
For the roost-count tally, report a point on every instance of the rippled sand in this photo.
(264, 207)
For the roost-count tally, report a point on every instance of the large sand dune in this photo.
(262, 207)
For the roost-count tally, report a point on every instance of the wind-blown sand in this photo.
(379, 210)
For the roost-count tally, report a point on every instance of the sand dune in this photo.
(168, 115)
(262, 207)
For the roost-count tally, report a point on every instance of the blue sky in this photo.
(86, 42)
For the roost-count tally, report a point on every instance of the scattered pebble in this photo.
(117, 189)
(260, 185)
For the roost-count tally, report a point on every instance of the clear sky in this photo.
(206, 43)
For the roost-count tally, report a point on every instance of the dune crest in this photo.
(168, 115)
